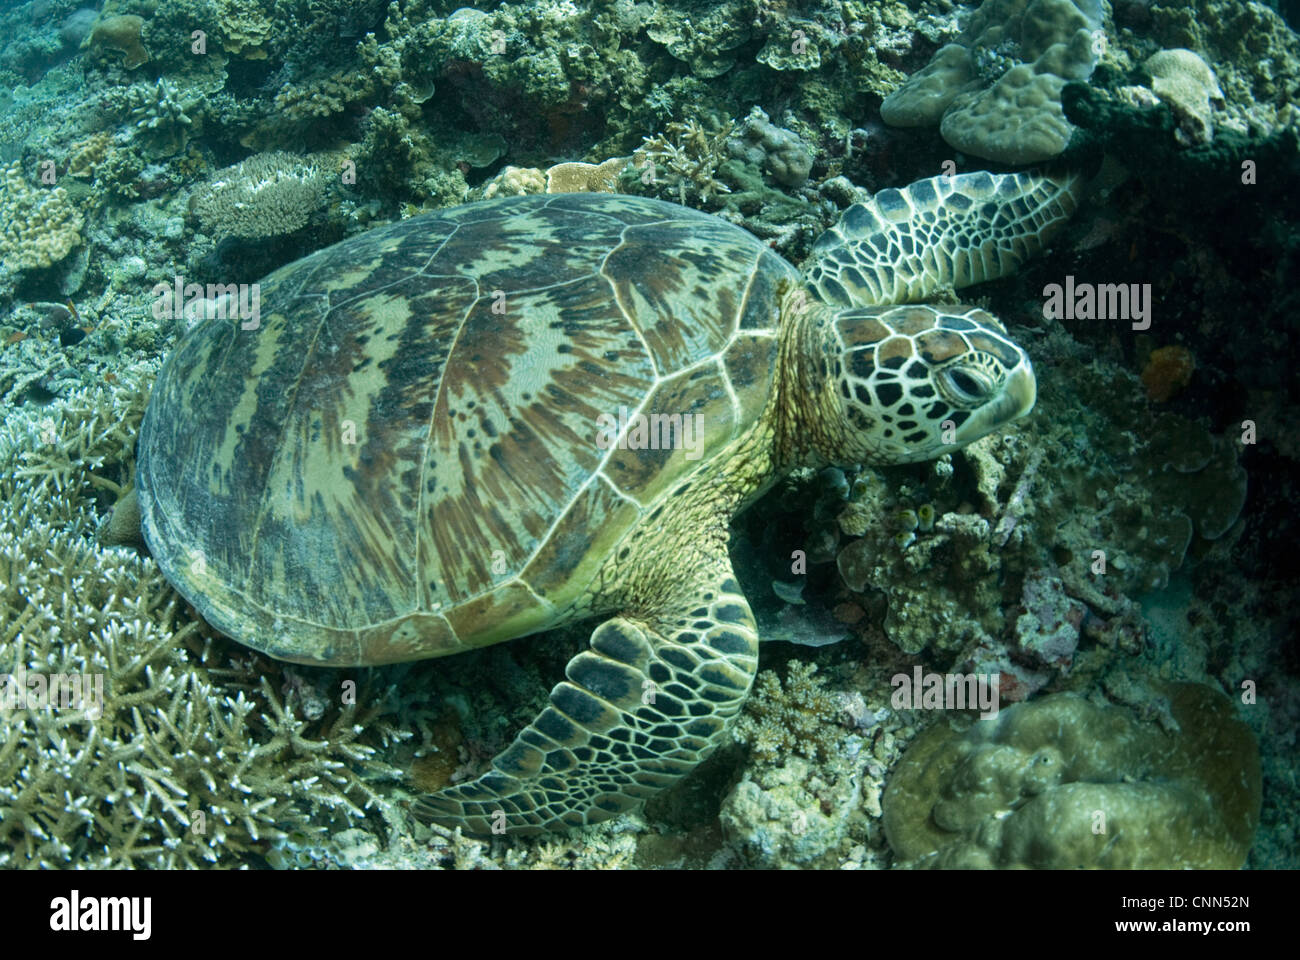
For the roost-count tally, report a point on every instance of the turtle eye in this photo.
(967, 385)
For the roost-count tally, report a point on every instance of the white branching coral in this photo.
(188, 753)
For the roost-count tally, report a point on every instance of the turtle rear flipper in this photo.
(948, 231)
(639, 711)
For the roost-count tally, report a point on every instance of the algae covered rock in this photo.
(1060, 782)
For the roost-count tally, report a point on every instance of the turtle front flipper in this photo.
(640, 709)
(948, 231)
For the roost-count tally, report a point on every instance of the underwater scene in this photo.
(600, 434)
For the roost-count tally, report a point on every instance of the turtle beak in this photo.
(1021, 391)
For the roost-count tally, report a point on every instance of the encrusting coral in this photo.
(120, 33)
(578, 177)
(779, 152)
(1187, 83)
(996, 94)
(1061, 783)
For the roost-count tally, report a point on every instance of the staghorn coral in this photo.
(267, 195)
(683, 161)
(191, 757)
(1060, 783)
(40, 227)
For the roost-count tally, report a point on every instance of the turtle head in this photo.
(914, 382)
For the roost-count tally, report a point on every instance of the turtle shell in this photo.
(402, 456)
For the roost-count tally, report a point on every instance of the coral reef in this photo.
(120, 33)
(810, 795)
(515, 182)
(1061, 783)
(192, 756)
(996, 94)
(41, 226)
(1107, 539)
(1159, 485)
(267, 195)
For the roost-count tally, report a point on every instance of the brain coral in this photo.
(1061, 783)
(1189, 85)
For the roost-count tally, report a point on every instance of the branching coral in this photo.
(684, 159)
(163, 125)
(192, 756)
(40, 227)
(797, 716)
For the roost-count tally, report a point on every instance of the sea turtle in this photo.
(489, 420)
